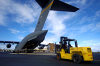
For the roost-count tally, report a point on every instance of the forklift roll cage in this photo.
(66, 41)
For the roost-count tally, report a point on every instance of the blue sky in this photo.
(18, 18)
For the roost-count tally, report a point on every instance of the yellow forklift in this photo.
(77, 54)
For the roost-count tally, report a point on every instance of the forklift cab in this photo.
(65, 44)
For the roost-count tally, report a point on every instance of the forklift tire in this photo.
(77, 58)
(58, 56)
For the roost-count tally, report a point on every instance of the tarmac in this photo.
(10, 59)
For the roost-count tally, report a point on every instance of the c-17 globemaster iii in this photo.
(34, 39)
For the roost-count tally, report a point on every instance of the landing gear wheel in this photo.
(77, 58)
(58, 57)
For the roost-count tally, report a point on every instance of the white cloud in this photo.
(23, 13)
(96, 27)
(94, 44)
(2, 14)
(56, 22)
(85, 24)
(81, 2)
(97, 14)
(50, 39)
(2, 20)
(20, 37)
(92, 23)
(74, 32)
(56, 26)
(86, 28)
(14, 31)
(31, 30)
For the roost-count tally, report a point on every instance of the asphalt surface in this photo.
(7, 59)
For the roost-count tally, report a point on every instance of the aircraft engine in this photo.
(41, 47)
(8, 45)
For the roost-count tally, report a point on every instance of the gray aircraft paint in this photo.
(43, 17)
(39, 35)
(38, 31)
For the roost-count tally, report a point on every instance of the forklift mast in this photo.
(65, 41)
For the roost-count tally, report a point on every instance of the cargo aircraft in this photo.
(34, 39)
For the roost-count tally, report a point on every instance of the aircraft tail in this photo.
(43, 14)
(57, 5)
(47, 5)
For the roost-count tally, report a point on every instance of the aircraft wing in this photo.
(13, 42)
(58, 5)
(9, 43)
(41, 46)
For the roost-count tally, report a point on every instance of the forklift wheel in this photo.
(58, 57)
(77, 58)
